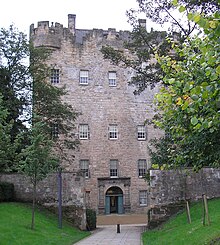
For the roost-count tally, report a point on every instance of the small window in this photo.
(54, 76)
(112, 78)
(84, 131)
(142, 168)
(113, 168)
(84, 77)
(84, 167)
(113, 131)
(143, 198)
(141, 132)
(54, 130)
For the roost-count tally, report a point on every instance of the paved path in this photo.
(107, 235)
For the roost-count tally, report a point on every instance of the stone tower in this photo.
(113, 154)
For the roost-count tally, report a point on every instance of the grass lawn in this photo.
(15, 223)
(178, 232)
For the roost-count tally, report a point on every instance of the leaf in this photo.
(197, 18)
(182, 9)
(194, 121)
(218, 70)
(175, 2)
(205, 95)
(190, 16)
(185, 105)
(213, 24)
(179, 101)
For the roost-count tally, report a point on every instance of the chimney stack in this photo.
(142, 23)
(72, 23)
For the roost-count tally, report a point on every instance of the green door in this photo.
(107, 204)
(120, 205)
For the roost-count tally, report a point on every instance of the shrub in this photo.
(6, 192)
(91, 219)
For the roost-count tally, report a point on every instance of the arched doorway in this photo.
(114, 201)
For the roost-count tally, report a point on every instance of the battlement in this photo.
(51, 35)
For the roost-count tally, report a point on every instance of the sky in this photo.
(100, 14)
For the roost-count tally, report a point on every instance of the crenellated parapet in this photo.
(52, 35)
(47, 35)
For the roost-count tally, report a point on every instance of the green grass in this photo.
(15, 223)
(178, 232)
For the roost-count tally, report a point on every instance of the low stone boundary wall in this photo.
(169, 189)
(73, 203)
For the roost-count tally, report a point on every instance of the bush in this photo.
(6, 192)
(90, 219)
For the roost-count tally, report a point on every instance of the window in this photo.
(84, 77)
(113, 132)
(113, 168)
(143, 198)
(84, 131)
(112, 78)
(142, 167)
(141, 132)
(54, 76)
(54, 130)
(84, 167)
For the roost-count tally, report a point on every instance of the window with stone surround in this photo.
(113, 168)
(54, 130)
(141, 132)
(54, 76)
(84, 77)
(142, 168)
(84, 131)
(84, 167)
(113, 131)
(143, 198)
(112, 78)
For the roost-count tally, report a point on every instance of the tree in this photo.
(7, 150)
(164, 12)
(14, 83)
(37, 159)
(189, 102)
(25, 90)
(138, 51)
(58, 117)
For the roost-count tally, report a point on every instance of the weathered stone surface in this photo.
(47, 194)
(169, 189)
(101, 105)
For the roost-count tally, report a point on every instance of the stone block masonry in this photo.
(169, 189)
(47, 194)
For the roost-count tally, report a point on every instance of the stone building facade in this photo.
(113, 154)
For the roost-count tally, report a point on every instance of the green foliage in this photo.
(15, 228)
(14, 87)
(24, 90)
(49, 106)
(7, 149)
(37, 159)
(138, 51)
(178, 231)
(91, 219)
(189, 101)
(164, 12)
(6, 192)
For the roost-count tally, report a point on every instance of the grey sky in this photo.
(102, 14)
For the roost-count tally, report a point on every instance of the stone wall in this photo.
(170, 188)
(47, 194)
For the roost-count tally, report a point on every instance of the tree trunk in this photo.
(33, 205)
